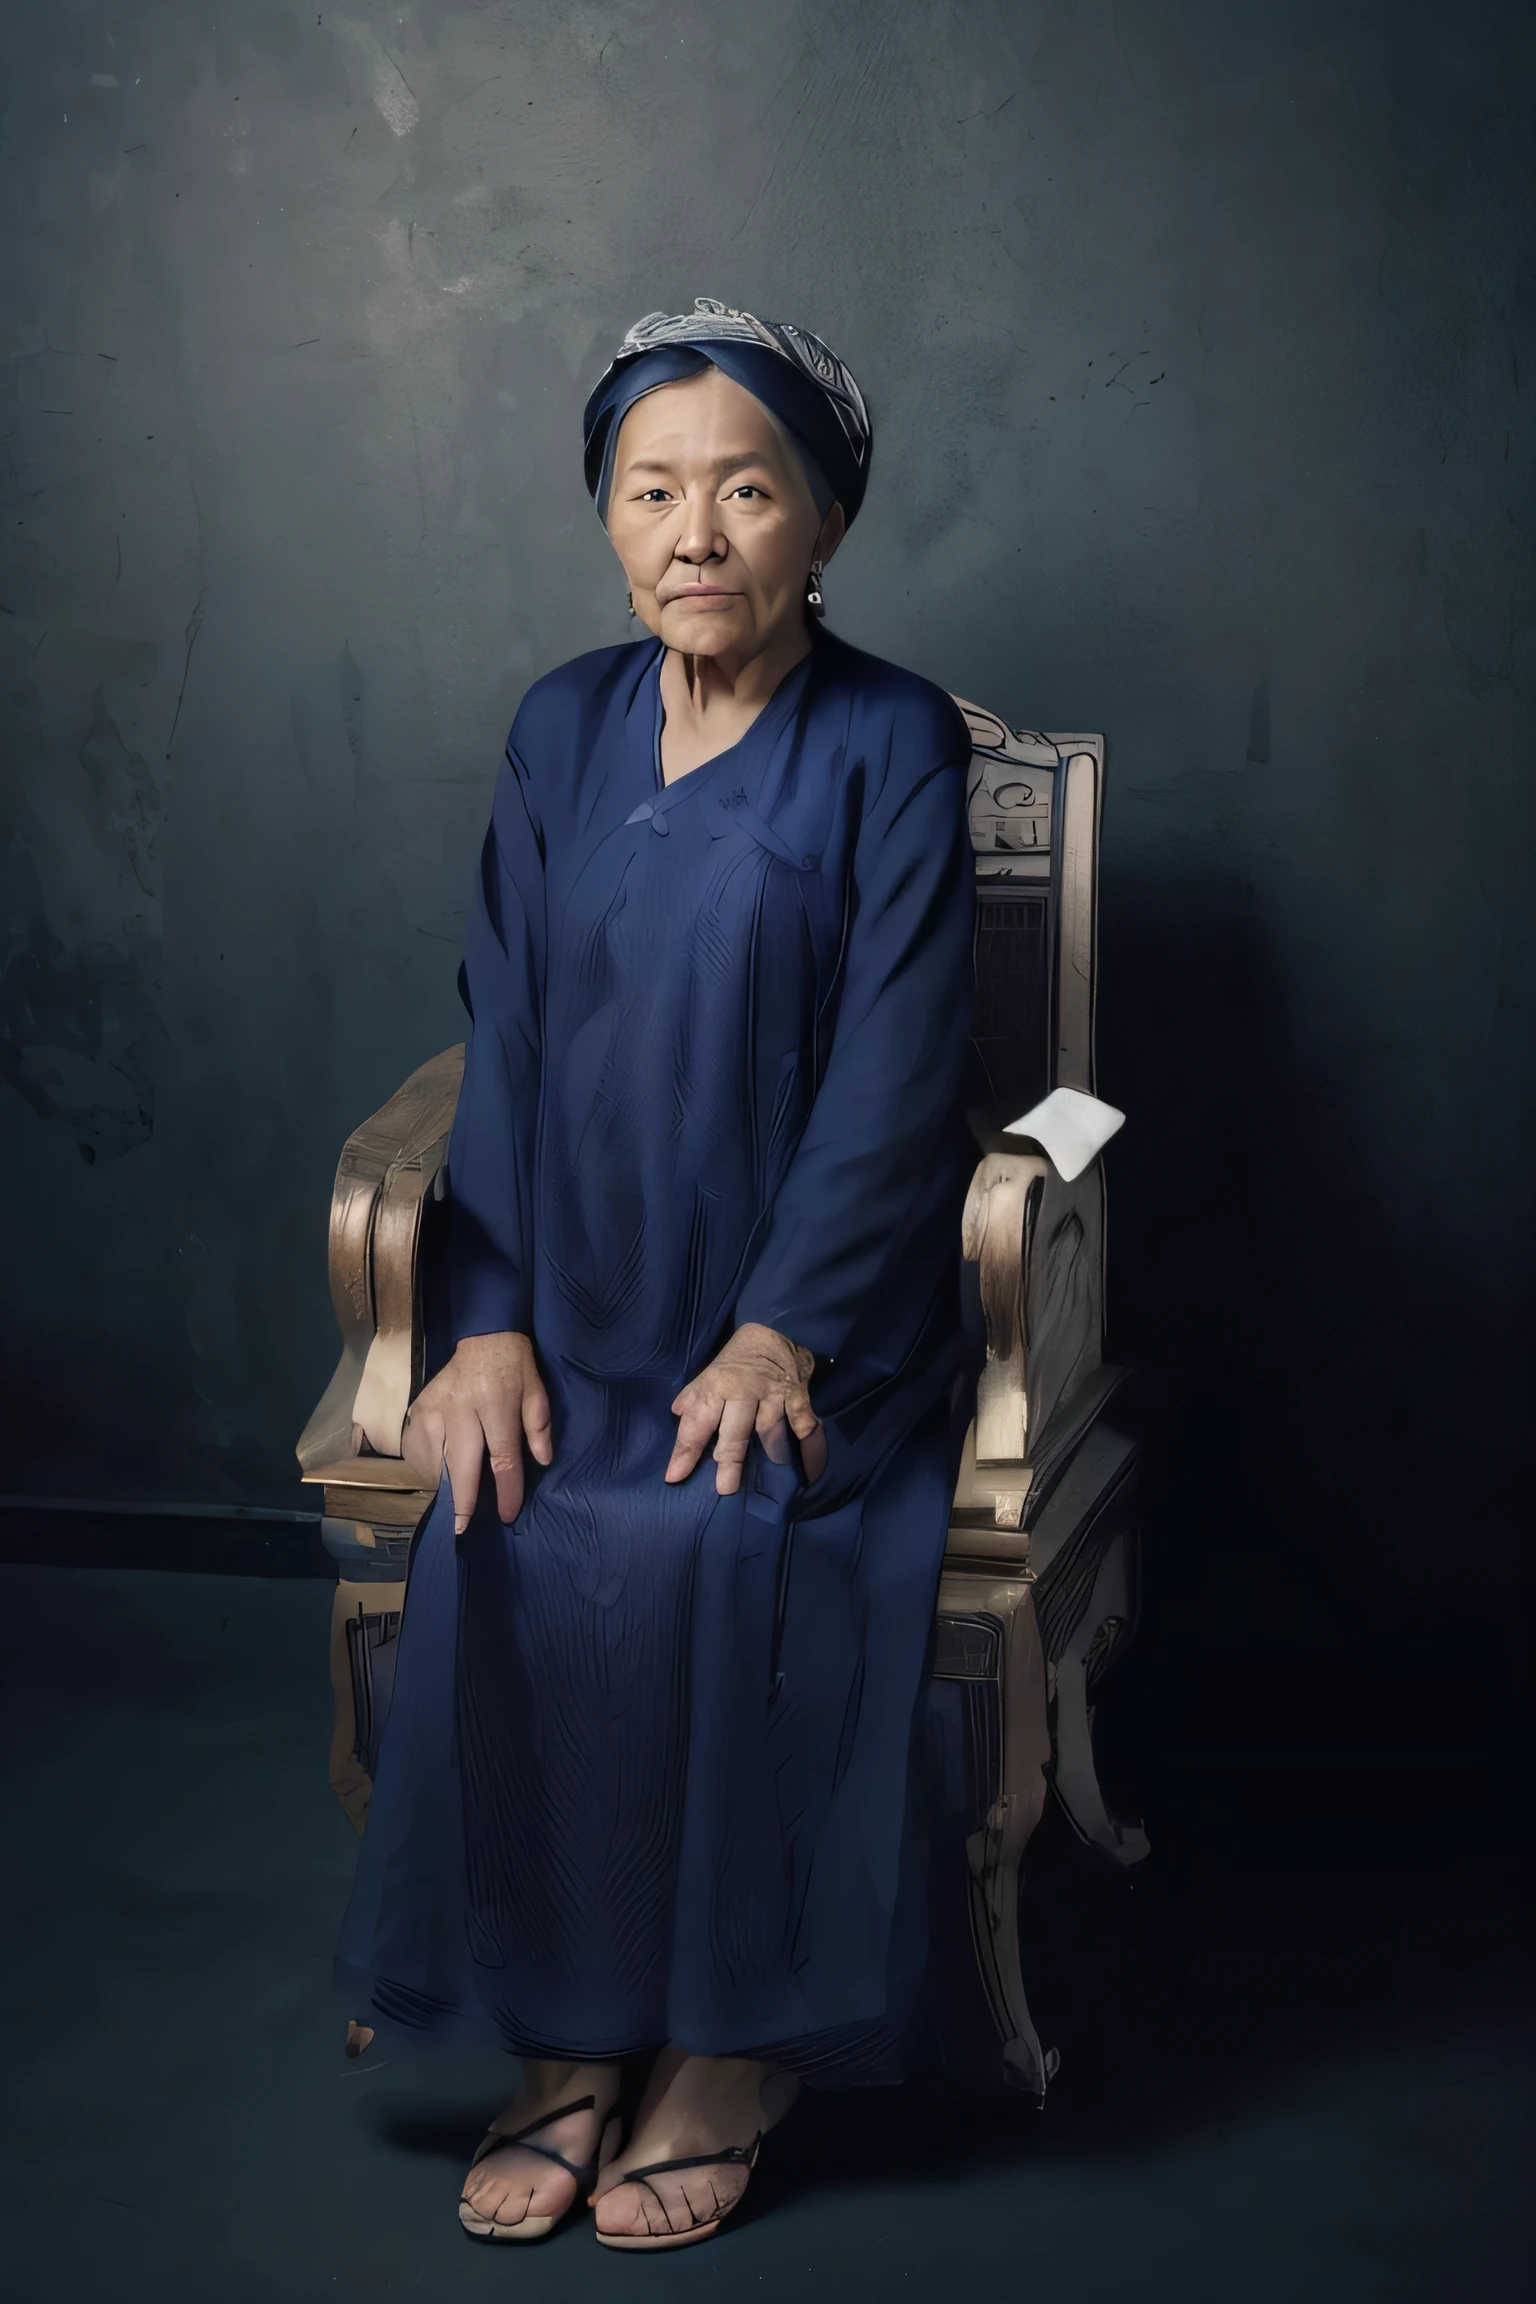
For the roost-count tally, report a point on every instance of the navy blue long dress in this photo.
(650, 1768)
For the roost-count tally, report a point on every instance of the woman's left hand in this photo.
(755, 1383)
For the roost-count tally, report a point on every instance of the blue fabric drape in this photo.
(648, 1774)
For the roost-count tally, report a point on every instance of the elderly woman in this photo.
(649, 1786)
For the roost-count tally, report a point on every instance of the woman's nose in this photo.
(697, 539)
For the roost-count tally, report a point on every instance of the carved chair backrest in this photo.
(1035, 803)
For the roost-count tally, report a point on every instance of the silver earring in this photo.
(629, 596)
(813, 598)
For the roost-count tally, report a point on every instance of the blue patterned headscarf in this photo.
(794, 375)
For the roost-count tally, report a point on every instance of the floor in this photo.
(1308, 2080)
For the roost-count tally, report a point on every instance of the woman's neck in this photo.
(710, 702)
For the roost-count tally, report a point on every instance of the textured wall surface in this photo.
(1198, 337)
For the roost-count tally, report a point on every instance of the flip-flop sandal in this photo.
(734, 2156)
(586, 2175)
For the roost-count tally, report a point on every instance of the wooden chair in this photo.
(1038, 1592)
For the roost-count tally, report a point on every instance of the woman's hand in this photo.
(488, 1399)
(756, 1382)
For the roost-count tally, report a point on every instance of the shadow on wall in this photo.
(79, 1020)
(1336, 1626)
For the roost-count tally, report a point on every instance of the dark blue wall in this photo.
(1199, 340)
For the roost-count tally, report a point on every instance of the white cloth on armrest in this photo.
(1070, 1128)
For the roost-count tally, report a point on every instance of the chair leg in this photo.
(1076, 1774)
(995, 1933)
(349, 1781)
(996, 1851)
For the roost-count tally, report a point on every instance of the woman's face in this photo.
(712, 517)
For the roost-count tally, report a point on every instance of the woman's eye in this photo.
(747, 488)
(652, 495)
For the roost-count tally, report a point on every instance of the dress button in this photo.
(658, 822)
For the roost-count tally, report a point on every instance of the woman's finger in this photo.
(464, 1453)
(737, 1419)
(503, 1430)
(536, 1421)
(803, 1419)
(507, 1475)
(698, 1415)
(507, 1472)
(421, 1443)
(773, 1431)
(807, 1428)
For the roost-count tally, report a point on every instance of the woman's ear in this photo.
(833, 529)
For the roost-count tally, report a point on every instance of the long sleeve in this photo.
(491, 1151)
(867, 1195)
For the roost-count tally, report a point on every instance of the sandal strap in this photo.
(545, 2120)
(496, 2139)
(730, 2156)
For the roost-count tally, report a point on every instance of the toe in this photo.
(622, 2211)
(705, 2194)
(613, 2210)
(668, 2204)
(504, 2192)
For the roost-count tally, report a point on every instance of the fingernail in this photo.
(460, 1523)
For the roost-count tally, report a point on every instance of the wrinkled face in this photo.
(711, 514)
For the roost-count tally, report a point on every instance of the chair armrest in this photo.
(1063, 1292)
(388, 1169)
(1000, 1210)
(1038, 1242)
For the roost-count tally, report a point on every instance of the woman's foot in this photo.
(692, 2105)
(515, 2192)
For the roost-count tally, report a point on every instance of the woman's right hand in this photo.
(486, 1402)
